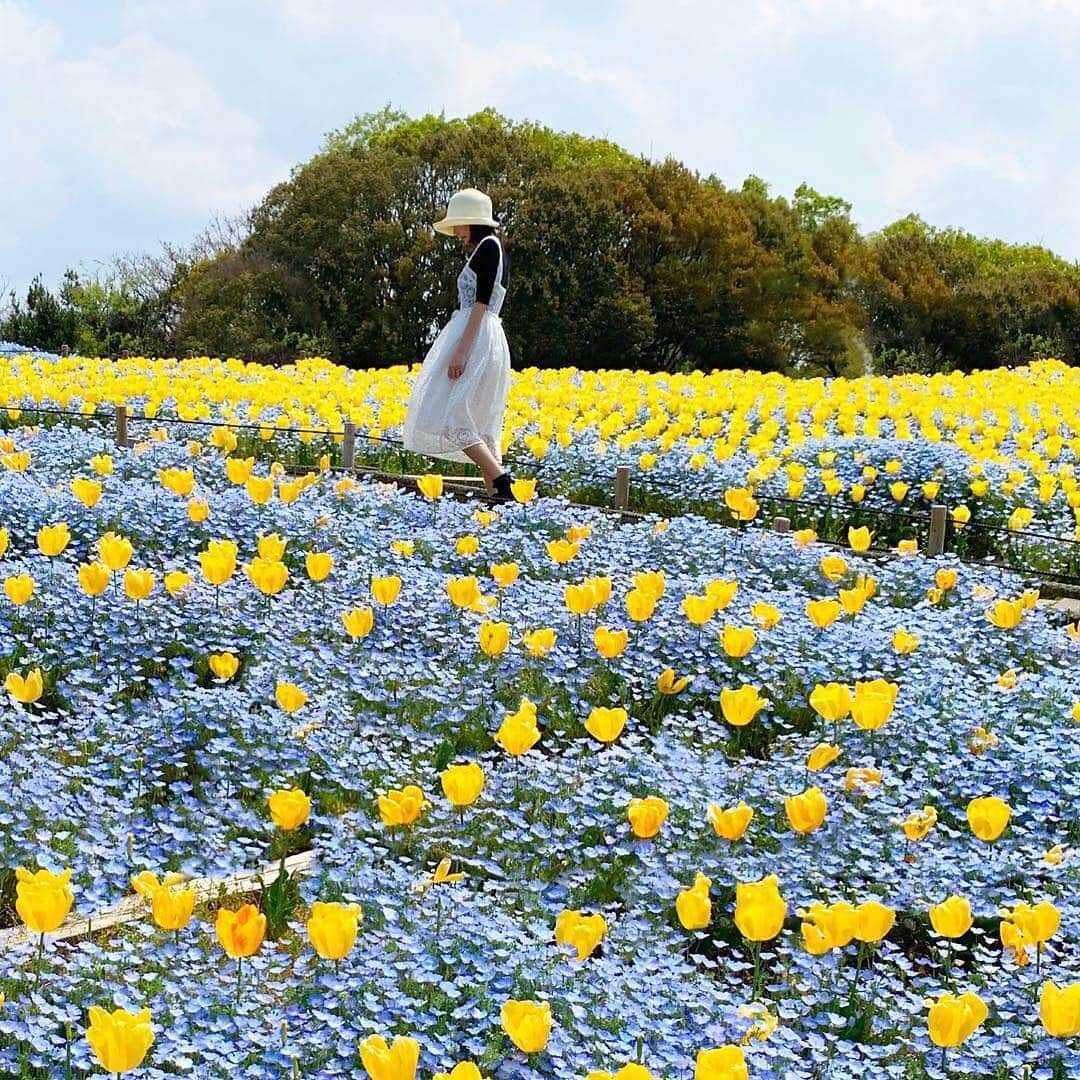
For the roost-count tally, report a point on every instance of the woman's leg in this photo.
(488, 464)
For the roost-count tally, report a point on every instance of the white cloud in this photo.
(134, 123)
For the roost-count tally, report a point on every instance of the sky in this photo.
(125, 123)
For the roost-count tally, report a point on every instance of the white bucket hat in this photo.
(466, 207)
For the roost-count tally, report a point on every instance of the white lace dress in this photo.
(445, 415)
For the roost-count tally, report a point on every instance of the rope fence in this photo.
(988, 543)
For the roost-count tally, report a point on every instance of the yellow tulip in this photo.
(640, 606)
(698, 609)
(823, 613)
(833, 567)
(401, 807)
(358, 622)
(396, 1062)
(669, 684)
(88, 492)
(831, 701)
(523, 490)
(562, 551)
(730, 824)
(1037, 922)
(952, 917)
(651, 583)
(579, 599)
(19, 589)
(241, 932)
(52, 539)
(198, 510)
(267, 575)
(238, 470)
(463, 591)
(42, 899)
(605, 724)
(946, 579)
(721, 592)
(462, 784)
(518, 733)
(1059, 1009)
(740, 706)
(919, 823)
(630, 1071)
(693, 905)
(332, 928)
(405, 548)
(290, 808)
(494, 637)
(646, 816)
(138, 584)
(176, 581)
(179, 481)
(505, 574)
(218, 561)
(722, 1063)
(806, 811)
(873, 920)
(759, 908)
(610, 643)
(583, 932)
(859, 539)
(904, 643)
(430, 486)
(260, 489)
(961, 515)
(741, 503)
(952, 1018)
(25, 690)
(318, 565)
(988, 817)
(102, 464)
(767, 615)
(873, 703)
(828, 926)
(907, 547)
(290, 697)
(120, 1039)
(528, 1023)
(737, 641)
(539, 643)
(1006, 614)
(171, 903)
(272, 547)
(386, 590)
(823, 754)
(93, 578)
(224, 665)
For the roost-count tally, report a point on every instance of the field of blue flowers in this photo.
(674, 660)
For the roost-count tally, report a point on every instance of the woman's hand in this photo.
(457, 364)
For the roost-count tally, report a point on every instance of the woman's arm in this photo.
(466, 341)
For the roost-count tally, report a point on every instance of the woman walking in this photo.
(459, 398)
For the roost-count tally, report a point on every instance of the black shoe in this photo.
(502, 487)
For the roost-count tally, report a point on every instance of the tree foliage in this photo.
(616, 261)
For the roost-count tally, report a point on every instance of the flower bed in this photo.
(142, 749)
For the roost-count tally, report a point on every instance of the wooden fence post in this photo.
(781, 524)
(622, 487)
(935, 539)
(121, 425)
(348, 446)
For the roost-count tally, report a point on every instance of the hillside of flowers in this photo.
(666, 797)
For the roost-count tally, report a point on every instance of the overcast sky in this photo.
(127, 122)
